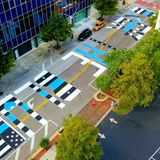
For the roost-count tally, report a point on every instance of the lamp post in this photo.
(70, 18)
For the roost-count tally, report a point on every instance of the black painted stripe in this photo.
(38, 118)
(32, 86)
(50, 81)
(70, 91)
(135, 37)
(3, 145)
(60, 87)
(4, 154)
(12, 99)
(57, 102)
(143, 11)
(25, 129)
(139, 32)
(45, 76)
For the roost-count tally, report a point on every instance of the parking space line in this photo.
(151, 158)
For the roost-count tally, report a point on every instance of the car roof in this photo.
(100, 22)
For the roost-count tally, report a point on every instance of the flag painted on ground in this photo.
(9, 138)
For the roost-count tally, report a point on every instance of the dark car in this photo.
(85, 34)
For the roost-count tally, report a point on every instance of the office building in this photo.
(20, 20)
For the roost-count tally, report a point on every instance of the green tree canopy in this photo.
(114, 60)
(6, 62)
(57, 28)
(150, 43)
(44, 142)
(136, 86)
(152, 20)
(103, 82)
(78, 141)
(106, 7)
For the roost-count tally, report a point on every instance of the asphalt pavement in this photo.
(136, 136)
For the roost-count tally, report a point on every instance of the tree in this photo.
(153, 19)
(136, 86)
(114, 60)
(6, 62)
(57, 29)
(44, 142)
(106, 7)
(78, 141)
(103, 82)
(150, 43)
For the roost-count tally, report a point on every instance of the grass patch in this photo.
(122, 110)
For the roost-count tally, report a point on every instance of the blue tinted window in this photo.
(1, 8)
(8, 15)
(14, 13)
(24, 37)
(19, 39)
(29, 6)
(4, 47)
(12, 3)
(2, 18)
(19, 11)
(14, 41)
(24, 8)
(9, 44)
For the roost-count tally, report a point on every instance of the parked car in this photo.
(85, 34)
(99, 25)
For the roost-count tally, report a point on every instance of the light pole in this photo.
(70, 18)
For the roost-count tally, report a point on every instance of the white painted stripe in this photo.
(32, 143)
(17, 101)
(64, 90)
(30, 133)
(19, 90)
(46, 80)
(73, 95)
(5, 99)
(5, 149)
(1, 142)
(84, 62)
(61, 105)
(46, 130)
(67, 56)
(134, 9)
(35, 88)
(119, 19)
(43, 121)
(17, 153)
(34, 114)
(20, 125)
(113, 23)
(139, 36)
(109, 27)
(146, 29)
(141, 10)
(3, 111)
(52, 99)
(81, 57)
(40, 75)
(99, 72)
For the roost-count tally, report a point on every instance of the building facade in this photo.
(20, 20)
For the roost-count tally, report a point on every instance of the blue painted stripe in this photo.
(91, 56)
(147, 12)
(97, 51)
(3, 127)
(129, 26)
(55, 84)
(25, 107)
(11, 117)
(9, 105)
(43, 93)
